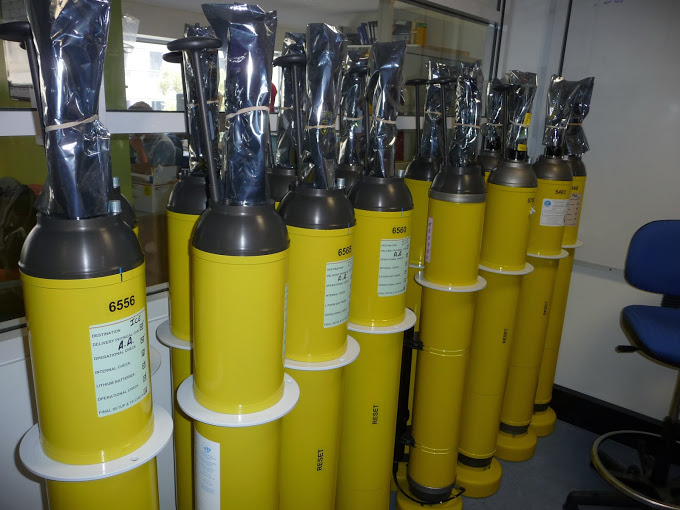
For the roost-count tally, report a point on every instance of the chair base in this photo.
(649, 483)
(479, 482)
(543, 423)
(516, 448)
(577, 499)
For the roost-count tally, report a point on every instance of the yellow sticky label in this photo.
(527, 120)
(522, 147)
(147, 191)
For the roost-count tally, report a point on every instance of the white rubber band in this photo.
(466, 125)
(321, 126)
(247, 110)
(57, 127)
(519, 124)
(386, 121)
(354, 118)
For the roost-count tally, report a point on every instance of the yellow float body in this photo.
(454, 236)
(446, 324)
(515, 441)
(320, 268)
(381, 248)
(487, 370)
(180, 228)
(71, 430)
(506, 227)
(368, 423)
(546, 228)
(238, 358)
(543, 422)
(244, 463)
(133, 490)
(182, 433)
(311, 440)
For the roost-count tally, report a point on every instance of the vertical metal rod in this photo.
(298, 118)
(35, 77)
(445, 128)
(564, 38)
(417, 151)
(504, 128)
(493, 52)
(205, 126)
(366, 127)
(186, 98)
(500, 39)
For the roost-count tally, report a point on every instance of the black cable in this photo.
(564, 38)
(500, 39)
(461, 491)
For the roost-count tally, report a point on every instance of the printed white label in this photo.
(207, 465)
(553, 212)
(285, 320)
(338, 288)
(428, 241)
(571, 220)
(393, 271)
(120, 362)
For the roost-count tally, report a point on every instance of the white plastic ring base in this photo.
(187, 401)
(563, 255)
(351, 353)
(416, 266)
(528, 268)
(154, 360)
(35, 460)
(165, 336)
(408, 322)
(577, 244)
(421, 280)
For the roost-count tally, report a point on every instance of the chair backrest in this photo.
(653, 260)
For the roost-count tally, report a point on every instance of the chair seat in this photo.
(657, 330)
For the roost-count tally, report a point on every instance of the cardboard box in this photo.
(150, 197)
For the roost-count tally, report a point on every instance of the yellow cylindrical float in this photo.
(543, 422)
(368, 416)
(98, 357)
(311, 433)
(236, 456)
(515, 441)
(250, 349)
(321, 228)
(511, 193)
(384, 212)
(450, 282)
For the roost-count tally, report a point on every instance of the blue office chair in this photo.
(652, 265)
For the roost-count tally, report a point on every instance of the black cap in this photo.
(320, 209)
(381, 194)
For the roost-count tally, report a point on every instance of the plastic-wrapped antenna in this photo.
(70, 37)
(492, 130)
(575, 139)
(520, 101)
(387, 60)
(430, 143)
(559, 105)
(286, 146)
(326, 53)
(463, 148)
(247, 34)
(210, 77)
(352, 92)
